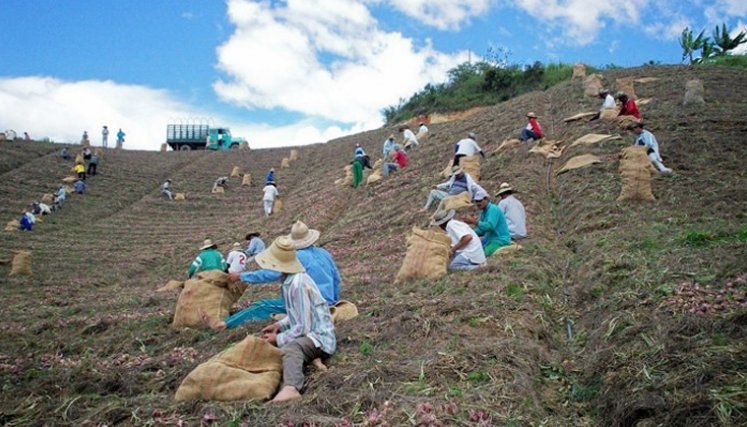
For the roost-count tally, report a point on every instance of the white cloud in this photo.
(62, 110)
(442, 14)
(580, 21)
(722, 9)
(670, 30)
(742, 49)
(326, 59)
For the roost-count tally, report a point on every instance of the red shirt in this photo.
(401, 158)
(535, 127)
(630, 109)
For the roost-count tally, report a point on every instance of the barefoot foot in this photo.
(318, 364)
(212, 323)
(287, 393)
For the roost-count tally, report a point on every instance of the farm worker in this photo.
(166, 189)
(87, 153)
(467, 147)
(648, 140)
(41, 208)
(84, 139)
(30, 216)
(459, 182)
(208, 259)
(357, 172)
(628, 106)
(491, 225)
(92, 164)
(513, 210)
(409, 138)
(105, 136)
(26, 136)
(254, 245)
(64, 153)
(466, 251)
(422, 130)
(270, 176)
(359, 151)
(80, 186)
(533, 131)
(270, 193)
(236, 259)
(25, 222)
(389, 145)
(400, 161)
(220, 182)
(608, 103)
(80, 170)
(120, 138)
(317, 262)
(59, 197)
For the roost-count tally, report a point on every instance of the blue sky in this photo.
(297, 71)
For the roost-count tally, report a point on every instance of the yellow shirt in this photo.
(80, 168)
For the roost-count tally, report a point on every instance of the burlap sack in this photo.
(626, 85)
(47, 198)
(374, 177)
(343, 310)
(548, 148)
(594, 138)
(456, 202)
(21, 264)
(69, 179)
(579, 72)
(646, 79)
(235, 173)
(636, 170)
(79, 158)
(99, 152)
(592, 85)
(578, 162)
(171, 284)
(285, 163)
(208, 292)
(164, 147)
(471, 165)
(69, 190)
(293, 155)
(508, 144)
(579, 116)
(348, 180)
(277, 205)
(694, 93)
(378, 164)
(180, 196)
(643, 101)
(249, 370)
(427, 255)
(247, 180)
(13, 225)
(218, 189)
(609, 113)
(447, 170)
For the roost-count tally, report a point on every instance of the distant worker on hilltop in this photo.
(166, 189)
(105, 136)
(120, 138)
(533, 130)
(648, 140)
(208, 259)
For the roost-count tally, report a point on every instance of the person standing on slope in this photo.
(105, 136)
(270, 193)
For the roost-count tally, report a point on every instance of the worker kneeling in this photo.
(466, 250)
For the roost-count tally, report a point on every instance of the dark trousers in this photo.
(295, 355)
(458, 157)
(92, 169)
(82, 175)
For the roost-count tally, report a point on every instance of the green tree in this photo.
(707, 51)
(724, 42)
(690, 44)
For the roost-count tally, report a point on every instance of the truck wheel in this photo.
(234, 146)
(184, 147)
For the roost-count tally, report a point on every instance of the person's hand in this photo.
(273, 328)
(270, 337)
(233, 277)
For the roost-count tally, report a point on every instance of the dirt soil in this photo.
(599, 320)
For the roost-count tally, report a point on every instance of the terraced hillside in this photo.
(584, 326)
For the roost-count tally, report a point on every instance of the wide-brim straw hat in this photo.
(303, 236)
(207, 244)
(532, 115)
(505, 188)
(280, 257)
(236, 245)
(441, 217)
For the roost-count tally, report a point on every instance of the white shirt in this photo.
(236, 260)
(468, 147)
(473, 251)
(31, 217)
(44, 208)
(515, 215)
(409, 136)
(422, 129)
(609, 102)
(270, 193)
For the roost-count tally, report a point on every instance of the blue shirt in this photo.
(256, 245)
(80, 186)
(318, 264)
(359, 152)
(270, 176)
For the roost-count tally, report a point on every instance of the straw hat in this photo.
(343, 310)
(441, 217)
(280, 257)
(236, 245)
(302, 236)
(532, 115)
(505, 188)
(208, 244)
(455, 170)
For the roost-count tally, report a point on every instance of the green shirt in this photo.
(209, 259)
(493, 227)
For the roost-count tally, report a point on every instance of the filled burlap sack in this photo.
(13, 225)
(218, 189)
(170, 285)
(277, 205)
(471, 165)
(235, 172)
(285, 163)
(456, 202)
(594, 138)
(378, 164)
(374, 177)
(646, 79)
(592, 85)
(508, 144)
(427, 255)
(210, 292)
(293, 155)
(180, 196)
(548, 148)
(79, 158)
(447, 170)
(343, 310)
(249, 370)
(578, 162)
(164, 147)
(69, 179)
(626, 85)
(579, 72)
(21, 264)
(636, 171)
(579, 116)
(609, 113)
(694, 92)
(348, 180)
(247, 180)
(47, 198)
(69, 190)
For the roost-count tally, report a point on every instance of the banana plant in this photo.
(690, 44)
(724, 42)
